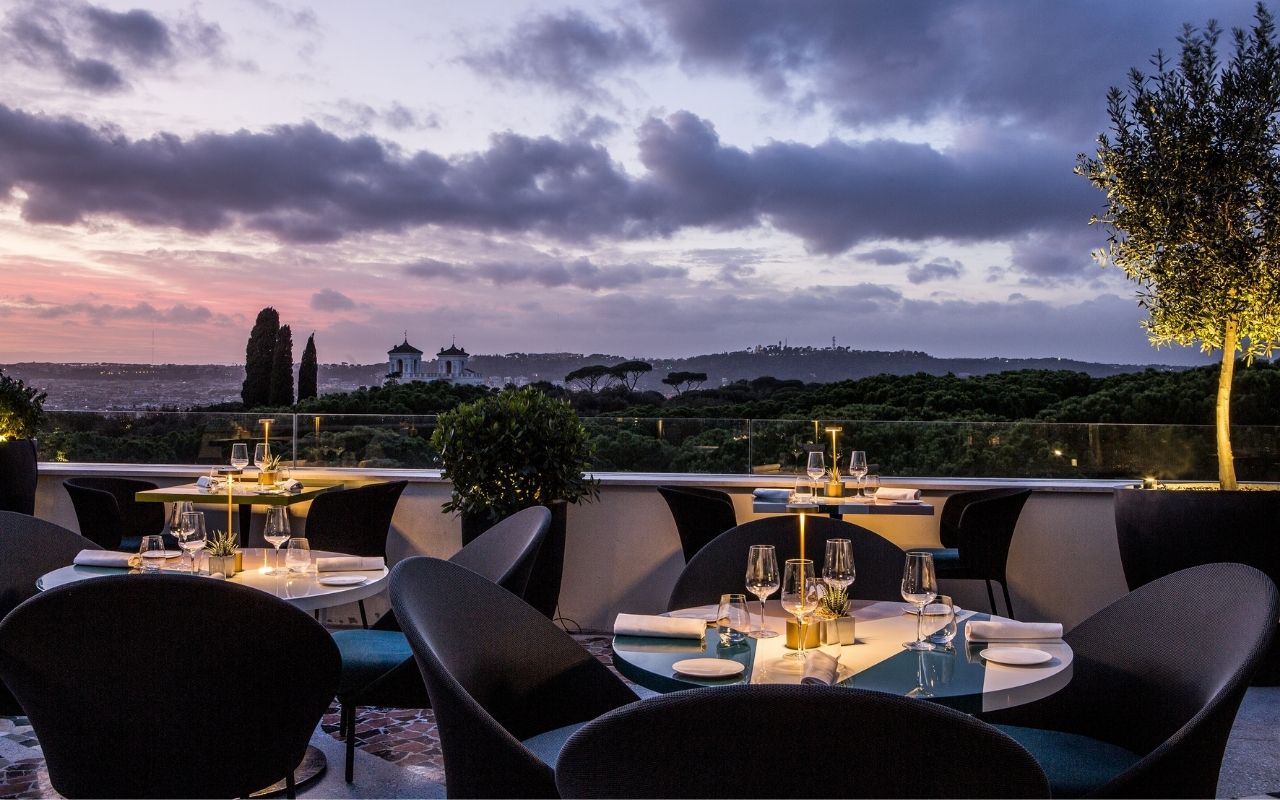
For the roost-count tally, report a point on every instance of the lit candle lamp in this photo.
(834, 487)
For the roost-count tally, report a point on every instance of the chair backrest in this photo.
(700, 515)
(354, 521)
(984, 528)
(688, 744)
(497, 671)
(505, 553)
(20, 473)
(721, 566)
(30, 547)
(1161, 671)
(107, 512)
(227, 681)
(953, 510)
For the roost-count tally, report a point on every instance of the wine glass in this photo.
(762, 581)
(837, 565)
(261, 455)
(175, 519)
(816, 467)
(276, 531)
(800, 597)
(858, 467)
(919, 587)
(191, 536)
(239, 457)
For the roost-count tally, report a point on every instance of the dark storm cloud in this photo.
(936, 270)
(565, 51)
(331, 300)
(579, 273)
(136, 34)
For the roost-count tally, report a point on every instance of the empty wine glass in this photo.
(919, 587)
(239, 457)
(816, 466)
(800, 597)
(261, 455)
(276, 531)
(175, 518)
(762, 581)
(191, 536)
(858, 467)
(837, 565)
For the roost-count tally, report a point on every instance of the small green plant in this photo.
(834, 603)
(272, 463)
(21, 408)
(221, 544)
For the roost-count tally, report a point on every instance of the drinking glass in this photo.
(816, 467)
(762, 581)
(800, 597)
(919, 587)
(803, 492)
(946, 633)
(276, 531)
(239, 455)
(732, 619)
(175, 519)
(297, 557)
(837, 564)
(191, 537)
(858, 467)
(261, 454)
(871, 485)
(151, 553)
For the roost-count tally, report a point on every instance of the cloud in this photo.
(579, 273)
(136, 34)
(936, 270)
(566, 52)
(887, 256)
(331, 300)
(176, 314)
(350, 115)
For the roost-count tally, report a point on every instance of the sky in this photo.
(648, 179)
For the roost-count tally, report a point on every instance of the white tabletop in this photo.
(301, 589)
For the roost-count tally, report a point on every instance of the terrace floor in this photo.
(398, 751)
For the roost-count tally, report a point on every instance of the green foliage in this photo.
(589, 377)
(282, 368)
(684, 381)
(308, 370)
(259, 354)
(628, 373)
(220, 544)
(512, 450)
(417, 397)
(21, 408)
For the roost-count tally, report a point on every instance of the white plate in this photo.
(908, 502)
(166, 554)
(931, 610)
(343, 580)
(1018, 656)
(707, 615)
(708, 667)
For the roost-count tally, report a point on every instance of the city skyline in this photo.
(658, 179)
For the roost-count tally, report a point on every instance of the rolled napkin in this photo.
(820, 669)
(204, 481)
(348, 563)
(650, 625)
(1000, 629)
(102, 558)
(887, 493)
(772, 495)
(293, 486)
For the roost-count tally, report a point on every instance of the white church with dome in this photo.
(404, 365)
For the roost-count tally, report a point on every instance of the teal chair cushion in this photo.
(1076, 765)
(547, 746)
(368, 655)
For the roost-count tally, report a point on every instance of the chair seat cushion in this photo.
(547, 746)
(368, 655)
(1076, 765)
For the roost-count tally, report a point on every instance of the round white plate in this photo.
(343, 580)
(931, 610)
(708, 667)
(1018, 656)
(166, 554)
(707, 615)
(908, 502)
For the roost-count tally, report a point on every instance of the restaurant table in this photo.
(246, 495)
(837, 507)
(302, 590)
(956, 676)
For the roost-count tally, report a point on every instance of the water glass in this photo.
(947, 631)
(297, 556)
(732, 619)
(870, 485)
(151, 553)
(803, 492)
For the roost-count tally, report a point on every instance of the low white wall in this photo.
(623, 552)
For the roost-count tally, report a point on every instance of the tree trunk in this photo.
(1226, 459)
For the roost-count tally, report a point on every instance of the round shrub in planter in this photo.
(21, 413)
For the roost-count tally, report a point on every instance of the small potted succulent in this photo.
(270, 470)
(21, 414)
(224, 556)
(833, 609)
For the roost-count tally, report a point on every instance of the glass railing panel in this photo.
(689, 445)
(157, 437)
(367, 441)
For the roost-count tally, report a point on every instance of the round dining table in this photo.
(957, 675)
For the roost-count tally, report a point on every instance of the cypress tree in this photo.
(258, 357)
(307, 370)
(282, 369)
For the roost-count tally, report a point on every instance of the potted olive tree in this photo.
(21, 414)
(511, 450)
(1192, 180)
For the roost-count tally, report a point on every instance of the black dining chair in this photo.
(377, 664)
(166, 655)
(700, 515)
(1156, 680)
(108, 514)
(682, 745)
(976, 529)
(30, 547)
(355, 522)
(721, 566)
(507, 685)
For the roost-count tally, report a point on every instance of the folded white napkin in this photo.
(887, 493)
(772, 495)
(1000, 629)
(204, 481)
(649, 625)
(292, 486)
(348, 563)
(102, 558)
(820, 669)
